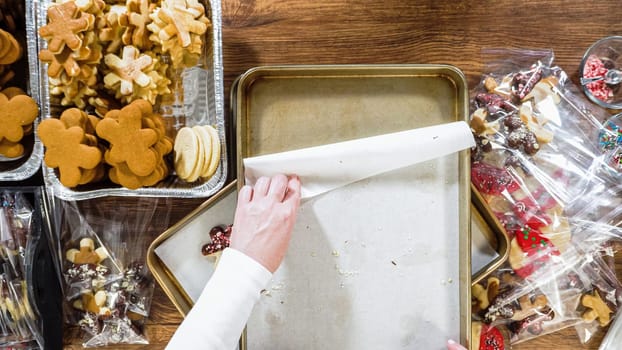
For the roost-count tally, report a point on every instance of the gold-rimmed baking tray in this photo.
(484, 222)
(204, 217)
(188, 236)
(291, 107)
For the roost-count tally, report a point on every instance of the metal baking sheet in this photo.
(183, 285)
(366, 259)
(486, 225)
(27, 79)
(202, 102)
(177, 273)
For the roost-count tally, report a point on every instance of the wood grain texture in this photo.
(276, 32)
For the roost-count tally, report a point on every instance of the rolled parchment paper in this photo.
(327, 167)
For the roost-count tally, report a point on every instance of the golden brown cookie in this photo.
(74, 117)
(16, 113)
(112, 31)
(129, 142)
(11, 92)
(127, 71)
(59, 63)
(11, 149)
(10, 49)
(597, 309)
(64, 150)
(65, 23)
(135, 21)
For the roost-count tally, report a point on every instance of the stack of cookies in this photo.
(73, 53)
(72, 147)
(131, 143)
(197, 152)
(138, 144)
(17, 111)
(17, 115)
(12, 22)
(10, 52)
(103, 54)
(178, 26)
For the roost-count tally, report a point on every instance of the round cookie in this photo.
(201, 155)
(215, 159)
(206, 144)
(186, 152)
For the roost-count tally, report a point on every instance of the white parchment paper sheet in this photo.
(372, 265)
(181, 253)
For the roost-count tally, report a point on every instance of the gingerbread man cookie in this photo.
(129, 142)
(65, 150)
(11, 149)
(10, 49)
(15, 114)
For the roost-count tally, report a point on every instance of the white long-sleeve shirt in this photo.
(218, 317)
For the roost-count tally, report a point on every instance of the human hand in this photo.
(452, 345)
(264, 219)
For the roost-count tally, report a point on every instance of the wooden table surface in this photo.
(275, 32)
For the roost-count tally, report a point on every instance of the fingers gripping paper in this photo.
(327, 167)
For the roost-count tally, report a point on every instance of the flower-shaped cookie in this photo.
(181, 18)
(64, 26)
(112, 31)
(130, 69)
(59, 63)
(135, 21)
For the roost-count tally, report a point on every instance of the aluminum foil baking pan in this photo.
(203, 103)
(27, 78)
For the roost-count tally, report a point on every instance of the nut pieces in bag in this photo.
(538, 164)
(107, 284)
